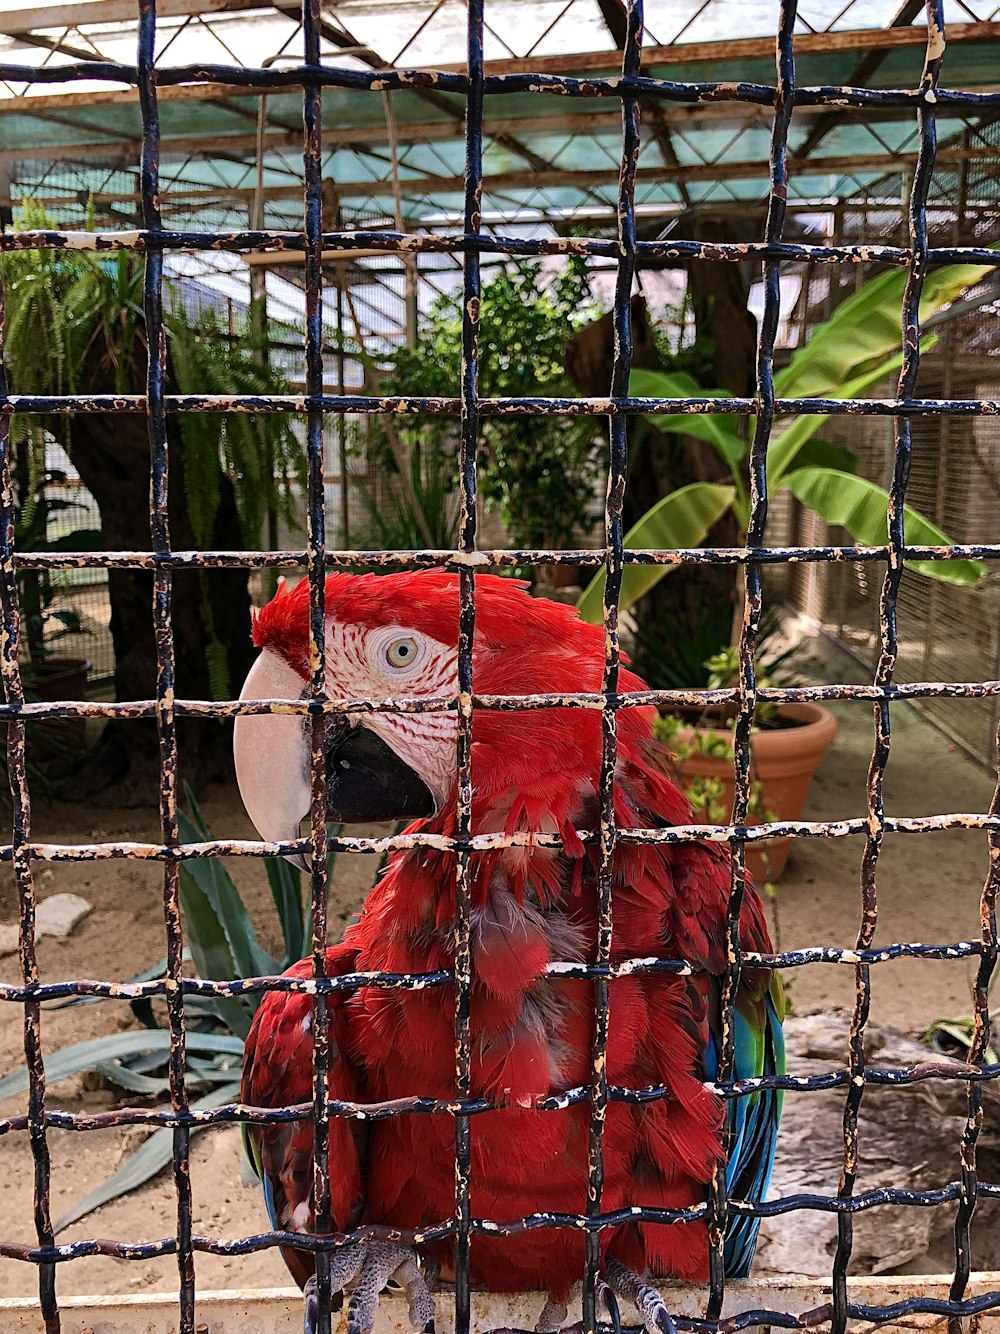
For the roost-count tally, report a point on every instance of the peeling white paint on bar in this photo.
(279, 1310)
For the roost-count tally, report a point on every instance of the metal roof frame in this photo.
(695, 156)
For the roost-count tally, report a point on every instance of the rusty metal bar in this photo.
(801, 1304)
(165, 657)
(668, 699)
(917, 229)
(709, 833)
(614, 536)
(752, 608)
(302, 404)
(449, 243)
(467, 476)
(312, 154)
(504, 559)
(235, 78)
(13, 689)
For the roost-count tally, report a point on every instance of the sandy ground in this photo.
(928, 887)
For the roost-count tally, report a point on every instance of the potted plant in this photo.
(787, 745)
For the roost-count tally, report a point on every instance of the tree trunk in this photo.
(111, 454)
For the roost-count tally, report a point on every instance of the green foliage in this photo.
(856, 348)
(258, 451)
(223, 945)
(35, 483)
(419, 507)
(74, 324)
(539, 473)
(723, 669)
(673, 657)
(679, 346)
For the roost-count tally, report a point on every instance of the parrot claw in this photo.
(624, 1283)
(610, 1300)
(311, 1306)
(553, 1314)
(370, 1265)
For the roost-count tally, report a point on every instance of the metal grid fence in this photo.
(154, 241)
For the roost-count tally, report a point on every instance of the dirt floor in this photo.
(928, 888)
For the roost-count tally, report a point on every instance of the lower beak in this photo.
(367, 780)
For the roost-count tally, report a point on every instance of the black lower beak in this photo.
(367, 780)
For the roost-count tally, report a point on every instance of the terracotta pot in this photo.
(59, 678)
(783, 760)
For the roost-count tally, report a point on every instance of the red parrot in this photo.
(394, 636)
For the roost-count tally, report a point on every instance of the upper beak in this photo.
(272, 754)
(366, 778)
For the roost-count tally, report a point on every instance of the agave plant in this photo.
(222, 945)
(857, 347)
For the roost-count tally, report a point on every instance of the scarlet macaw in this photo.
(395, 636)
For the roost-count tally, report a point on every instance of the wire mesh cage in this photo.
(636, 93)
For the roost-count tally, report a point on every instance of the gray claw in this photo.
(421, 1303)
(370, 1265)
(610, 1300)
(552, 1316)
(311, 1307)
(623, 1282)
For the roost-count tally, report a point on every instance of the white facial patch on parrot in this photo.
(397, 662)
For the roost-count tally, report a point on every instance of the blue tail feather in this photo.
(753, 1127)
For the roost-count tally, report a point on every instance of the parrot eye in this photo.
(401, 652)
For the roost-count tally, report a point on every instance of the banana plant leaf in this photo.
(866, 328)
(861, 507)
(858, 346)
(681, 519)
(824, 454)
(721, 430)
(788, 440)
(152, 1156)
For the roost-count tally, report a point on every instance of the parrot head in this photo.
(395, 636)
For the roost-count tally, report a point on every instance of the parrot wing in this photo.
(693, 926)
(277, 1072)
(753, 1121)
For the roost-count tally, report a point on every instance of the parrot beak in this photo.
(366, 778)
(272, 755)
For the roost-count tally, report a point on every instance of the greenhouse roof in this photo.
(547, 157)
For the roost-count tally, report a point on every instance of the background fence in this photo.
(918, 252)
